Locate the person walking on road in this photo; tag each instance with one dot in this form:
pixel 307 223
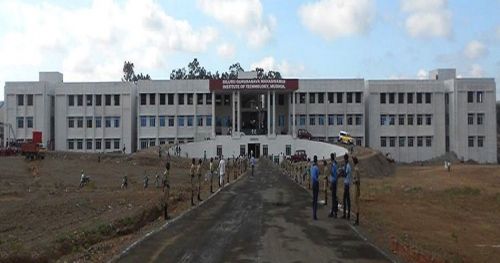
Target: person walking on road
pixel 198 172
pixel 192 172
pixel 325 180
pixel 347 186
pixel 252 163
pixel 333 187
pixel 315 185
pixel 357 190
pixel 222 171
pixel 212 169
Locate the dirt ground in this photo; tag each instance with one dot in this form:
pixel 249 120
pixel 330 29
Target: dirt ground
pixel 45 216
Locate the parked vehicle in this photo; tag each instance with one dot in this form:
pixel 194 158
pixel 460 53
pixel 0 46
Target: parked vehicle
pixel 299 156
pixel 34 149
pixel 345 138
pixel 304 134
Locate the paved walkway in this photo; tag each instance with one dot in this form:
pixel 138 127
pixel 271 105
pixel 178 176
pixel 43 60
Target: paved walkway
pixel 265 218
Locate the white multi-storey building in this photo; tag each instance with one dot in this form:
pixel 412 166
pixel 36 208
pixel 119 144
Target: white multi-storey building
pixel 412 120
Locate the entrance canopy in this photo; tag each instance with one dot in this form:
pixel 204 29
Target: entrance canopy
pixel 254 84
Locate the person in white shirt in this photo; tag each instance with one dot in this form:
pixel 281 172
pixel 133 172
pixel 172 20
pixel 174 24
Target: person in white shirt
pixel 222 171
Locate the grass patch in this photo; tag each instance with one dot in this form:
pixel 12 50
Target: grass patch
pixel 463 191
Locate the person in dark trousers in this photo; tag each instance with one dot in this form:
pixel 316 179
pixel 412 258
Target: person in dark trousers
pixel 315 185
pixel 325 174
pixel 347 186
pixel 252 163
pixel 212 170
pixel 192 171
pixel 357 191
pixel 333 187
pixel 166 190
pixel 198 172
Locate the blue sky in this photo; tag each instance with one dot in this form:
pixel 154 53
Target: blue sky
pixel 372 39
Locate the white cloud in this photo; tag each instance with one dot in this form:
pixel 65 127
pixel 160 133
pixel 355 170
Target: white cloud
pixel 338 18
pixel 476 71
pixel 92 42
pixel 286 69
pixel 226 50
pixel 423 74
pixel 245 17
pixel 475 49
pixel 427 18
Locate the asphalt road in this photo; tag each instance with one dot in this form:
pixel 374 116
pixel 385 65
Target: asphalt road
pixel 265 218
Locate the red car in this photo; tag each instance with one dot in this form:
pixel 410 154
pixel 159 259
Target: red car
pixel 304 134
pixel 299 156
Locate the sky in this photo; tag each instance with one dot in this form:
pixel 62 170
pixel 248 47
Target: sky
pixel 372 39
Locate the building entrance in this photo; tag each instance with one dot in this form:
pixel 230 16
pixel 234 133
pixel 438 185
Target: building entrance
pixel 255 148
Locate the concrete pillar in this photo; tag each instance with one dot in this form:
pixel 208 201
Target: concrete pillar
pixel 274 113
pixel 268 112
pixel 213 115
pixel 234 108
pixel 293 115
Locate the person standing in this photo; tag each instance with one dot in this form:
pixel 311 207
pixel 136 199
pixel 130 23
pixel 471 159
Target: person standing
pixel 357 190
pixel 308 170
pixel 124 182
pixel 325 179
pixel 333 187
pixel 192 171
pixel 166 190
pixel 315 185
pixel 212 169
pixel 198 172
pixel 82 179
pixel 252 163
pixel 146 180
pixel 222 171
pixel 347 186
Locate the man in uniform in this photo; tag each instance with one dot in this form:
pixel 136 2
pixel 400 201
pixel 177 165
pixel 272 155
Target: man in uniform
pixel 315 185
pixel 347 186
pixel 192 172
pixel 166 190
pixel 357 190
pixel 198 172
pixel 212 169
pixel 333 186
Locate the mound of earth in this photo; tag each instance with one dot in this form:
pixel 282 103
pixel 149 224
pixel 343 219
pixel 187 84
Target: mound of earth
pixel 373 163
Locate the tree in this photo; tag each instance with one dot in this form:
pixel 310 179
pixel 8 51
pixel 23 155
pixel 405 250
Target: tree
pixel 129 74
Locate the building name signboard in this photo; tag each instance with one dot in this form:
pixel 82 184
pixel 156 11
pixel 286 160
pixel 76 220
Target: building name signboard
pixel 254 84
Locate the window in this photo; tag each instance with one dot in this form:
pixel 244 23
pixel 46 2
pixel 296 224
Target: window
pixel 339 97
pixel 349 97
pixel 428 119
pixel 107 144
pixel 312 119
pixel 302 98
pixel 382 98
pixel 98 101
pixel 471 141
pixel 71 122
pixel 170 99
pixel 392 97
pixel 89 122
pixel 117 100
pixel 79 144
pixel 392 119
pixel 227 99
pixel 401 119
pixel 383 141
pixel 302 120
pixel 359 119
pixel 180 99
pixel 79 122
pixel 321 97
pixel 71 100
pixel 209 120
pixel 401 98
pixel 330 97
pixel 20 100
pixel 410 119
pixel 116 143
pixel 420 119
pixel 392 141
pixel 470 97
pixel 420 141
pixel 107 122
pixel 281 120
pixel 479 98
pixel 162 121
pixel 428 141
pixel 218 99
pixel 29 122
pixel 98 122
pixel 402 141
pixel 190 120
pixel 29 99
pixel 419 98
pixel 288 150
pixel 208 98
pixel 410 141
pixel 349 119
pixel 470 118
pixel 409 98
pixel 79 100
pixel 190 99
pixel 199 121
pixel 340 119
pixel 428 97
pixel 107 100
pixel 162 98
pixel 89 100
pixel 171 121
pixel 180 121
pixel 358 98
pixel 98 143
pixel 480 141
pixel 331 119
pixel 383 120
pixel 88 144
pixel 480 118
pixel 199 99
pixel 71 144
pixel 321 120
pixel 117 122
